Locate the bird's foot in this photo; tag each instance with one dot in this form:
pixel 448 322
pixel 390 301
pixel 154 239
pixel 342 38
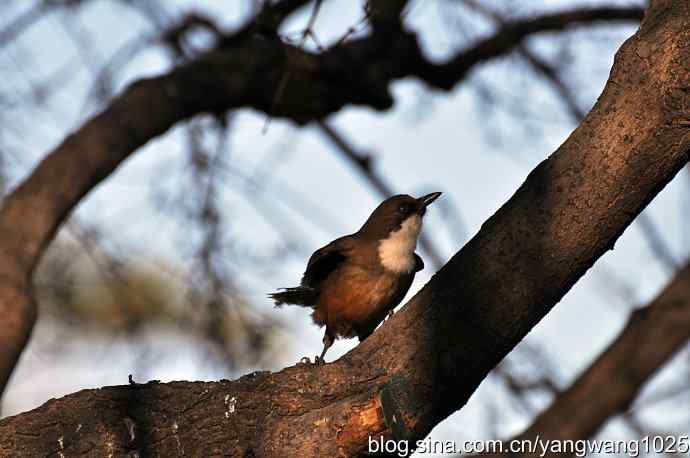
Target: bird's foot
pixel 390 314
pixel 306 361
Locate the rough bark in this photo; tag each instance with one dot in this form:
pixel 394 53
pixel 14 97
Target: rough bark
pixel 424 363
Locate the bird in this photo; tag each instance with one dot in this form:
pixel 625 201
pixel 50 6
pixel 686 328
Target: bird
pixel 354 282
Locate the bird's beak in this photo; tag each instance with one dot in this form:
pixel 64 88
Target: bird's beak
pixel 424 201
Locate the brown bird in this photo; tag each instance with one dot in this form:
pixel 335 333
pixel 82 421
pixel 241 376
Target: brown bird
pixel 356 280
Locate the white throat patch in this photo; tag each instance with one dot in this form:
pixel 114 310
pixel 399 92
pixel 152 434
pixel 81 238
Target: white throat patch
pixel 397 251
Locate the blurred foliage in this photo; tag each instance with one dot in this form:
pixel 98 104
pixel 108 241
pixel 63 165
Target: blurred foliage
pixel 98 291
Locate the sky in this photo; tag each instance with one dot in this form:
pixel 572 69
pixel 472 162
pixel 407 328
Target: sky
pixel 476 154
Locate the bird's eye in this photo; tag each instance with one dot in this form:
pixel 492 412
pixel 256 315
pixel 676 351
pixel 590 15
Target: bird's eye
pixel 405 209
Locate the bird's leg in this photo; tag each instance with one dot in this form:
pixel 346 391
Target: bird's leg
pixel 327 342
pixel 390 314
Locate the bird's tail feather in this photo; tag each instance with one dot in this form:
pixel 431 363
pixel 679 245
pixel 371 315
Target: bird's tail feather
pixel 300 295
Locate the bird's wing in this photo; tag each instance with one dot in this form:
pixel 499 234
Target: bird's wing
pixel 325 260
pixel 418 263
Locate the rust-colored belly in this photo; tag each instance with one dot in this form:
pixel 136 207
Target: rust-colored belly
pixel 353 300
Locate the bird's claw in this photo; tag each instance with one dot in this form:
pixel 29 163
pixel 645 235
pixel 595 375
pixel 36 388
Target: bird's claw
pixel 390 314
pixel 318 361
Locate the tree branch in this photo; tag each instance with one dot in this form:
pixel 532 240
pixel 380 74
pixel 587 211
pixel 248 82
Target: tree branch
pixel 541 66
pixel 425 362
pixel 652 336
pixel 510 35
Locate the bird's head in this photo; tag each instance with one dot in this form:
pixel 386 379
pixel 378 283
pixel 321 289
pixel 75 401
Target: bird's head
pixel 395 225
pixel 396 211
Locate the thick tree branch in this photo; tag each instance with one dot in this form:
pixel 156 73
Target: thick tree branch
pixel 426 361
